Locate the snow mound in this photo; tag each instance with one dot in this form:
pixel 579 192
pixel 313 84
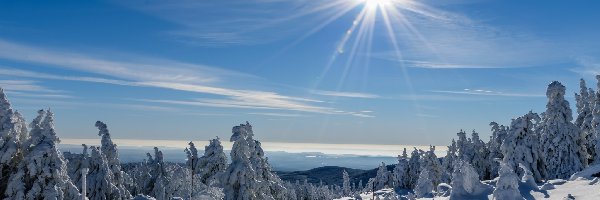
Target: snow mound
pixel 586 173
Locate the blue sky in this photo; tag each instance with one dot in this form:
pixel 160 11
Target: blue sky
pixel 409 72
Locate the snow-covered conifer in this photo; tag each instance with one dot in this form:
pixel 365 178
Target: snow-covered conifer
pixel 521 145
pixel 424 187
pixel 479 156
pixel 384 178
pixel 400 173
pixel 99 178
pixel 466 184
pixel 13 133
pixel 43 172
pixel 414 168
pixel 346 190
pixel 585 118
pixel 507 186
pixel 110 151
pixel 249 175
pixel 213 162
pixel 561 142
pixel 431 163
pixel 448 163
pixel 499 132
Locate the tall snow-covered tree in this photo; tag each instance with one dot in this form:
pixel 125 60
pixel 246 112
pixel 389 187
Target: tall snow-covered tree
pixel 431 163
pixel 159 179
pixel 464 147
pixel 100 184
pixel 43 172
pixel 110 151
pixel 507 186
pixel 448 162
pixel 249 175
pixel 594 99
pixel 400 173
pixel 384 178
pixel 495 155
pixel 414 168
pixel 13 133
pixel 521 146
pixel 478 156
pixel 213 162
pixel 346 190
pixel 561 142
pixel 585 118
pixel 425 185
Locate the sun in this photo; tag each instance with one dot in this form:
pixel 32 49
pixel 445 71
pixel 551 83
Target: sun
pixel 374 4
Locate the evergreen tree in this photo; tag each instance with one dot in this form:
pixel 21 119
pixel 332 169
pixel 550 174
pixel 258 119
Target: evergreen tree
pixel 448 163
pixel 521 145
pixel 424 187
pixel 562 145
pixel 346 190
pixel 507 186
pixel 213 162
pixel 13 133
pixel 584 119
pixel 479 156
pixel 431 163
pixel 249 175
pixel 384 178
pixel 414 168
pixel 400 173
pixel 43 172
pixel 495 155
pixel 110 151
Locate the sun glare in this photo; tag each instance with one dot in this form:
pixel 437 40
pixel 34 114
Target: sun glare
pixel 374 4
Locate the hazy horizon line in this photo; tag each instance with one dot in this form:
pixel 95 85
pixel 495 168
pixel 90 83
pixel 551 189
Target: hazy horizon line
pixel 289 147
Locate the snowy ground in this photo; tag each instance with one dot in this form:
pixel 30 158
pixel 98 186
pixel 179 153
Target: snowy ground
pixel 580 189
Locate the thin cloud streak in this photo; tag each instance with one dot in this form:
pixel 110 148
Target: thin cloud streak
pixel 345 94
pixel 487 93
pixel 172 77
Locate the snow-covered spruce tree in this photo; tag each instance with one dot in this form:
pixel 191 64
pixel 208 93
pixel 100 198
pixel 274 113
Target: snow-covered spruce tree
pixel 384 178
pixel 13 133
pixel 99 179
pixel 466 184
pixel 76 163
pixel 249 175
pixel 431 163
pixel 110 151
pixel 521 146
pixel 43 172
pixel 346 190
pixel 448 163
pixel 507 186
pixel 495 155
pixel 213 162
pixel 594 100
pixel 425 185
pixel 479 156
pixel 159 180
pixel 400 173
pixel 561 142
pixel 585 117
pixel 464 147
pixel 414 168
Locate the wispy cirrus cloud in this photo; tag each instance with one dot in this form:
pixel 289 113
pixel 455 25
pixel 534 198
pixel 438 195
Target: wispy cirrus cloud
pixel 483 92
pixel 345 94
pixel 163 74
